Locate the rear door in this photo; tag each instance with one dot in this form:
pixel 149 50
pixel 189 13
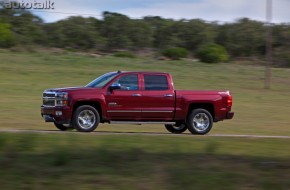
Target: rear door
pixel 158 98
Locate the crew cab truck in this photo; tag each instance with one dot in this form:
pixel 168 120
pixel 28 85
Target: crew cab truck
pixel 135 98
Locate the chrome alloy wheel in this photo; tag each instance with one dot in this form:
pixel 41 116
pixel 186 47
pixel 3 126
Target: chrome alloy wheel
pixel 179 127
pixel 86 119
pixel 201 122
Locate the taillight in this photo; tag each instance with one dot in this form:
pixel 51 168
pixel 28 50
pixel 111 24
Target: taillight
pixel 230 101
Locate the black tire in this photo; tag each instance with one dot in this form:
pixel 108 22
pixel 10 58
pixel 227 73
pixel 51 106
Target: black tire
pixel 177 128
pixel 199 121
pixel 62 127
pixel 86 119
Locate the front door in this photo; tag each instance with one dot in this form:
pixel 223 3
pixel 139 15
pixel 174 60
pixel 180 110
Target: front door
pixel 124 103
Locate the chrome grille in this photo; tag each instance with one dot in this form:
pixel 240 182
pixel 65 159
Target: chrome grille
pixel 48 95
pixel 48 102
pixel 48 98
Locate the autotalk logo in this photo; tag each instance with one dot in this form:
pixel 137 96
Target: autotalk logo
pixel 47 4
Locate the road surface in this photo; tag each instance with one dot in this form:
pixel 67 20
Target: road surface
pixel 139 133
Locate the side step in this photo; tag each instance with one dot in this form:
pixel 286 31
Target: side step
pixel 142 122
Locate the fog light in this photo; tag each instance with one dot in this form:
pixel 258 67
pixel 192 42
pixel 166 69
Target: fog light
pixel 58 113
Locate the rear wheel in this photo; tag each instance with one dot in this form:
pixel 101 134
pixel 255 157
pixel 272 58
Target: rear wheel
pixel 199 122
pixel 178 128
pixel 86 119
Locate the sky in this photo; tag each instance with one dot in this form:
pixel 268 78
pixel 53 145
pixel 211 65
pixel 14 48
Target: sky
pixel 209 10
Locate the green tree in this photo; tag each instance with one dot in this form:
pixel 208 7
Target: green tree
pixel 194 33
pixel 281 35
pixel 212 53
pixel 281 44
pixel 163 36
pixel 54 35
pixel 189 34
pixel 74 32
pixel 26 27
pixel 6 35
pixel 175 53
pixel 243 38
pixel 140 34
pixel 79 32
pixel 116 29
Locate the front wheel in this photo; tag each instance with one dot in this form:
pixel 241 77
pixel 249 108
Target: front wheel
pixel 86 119
pixel 62 127
pixel 199 122
pixel 177 128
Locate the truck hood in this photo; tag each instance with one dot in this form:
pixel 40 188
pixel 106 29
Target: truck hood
pixel 72 89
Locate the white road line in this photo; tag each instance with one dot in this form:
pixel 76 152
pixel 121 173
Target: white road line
pixel 251 136
pixel 140 133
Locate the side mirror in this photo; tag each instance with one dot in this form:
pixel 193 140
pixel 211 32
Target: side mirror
pixel 114 87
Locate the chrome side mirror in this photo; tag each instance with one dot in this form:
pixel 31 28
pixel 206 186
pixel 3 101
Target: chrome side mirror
pixel 115 87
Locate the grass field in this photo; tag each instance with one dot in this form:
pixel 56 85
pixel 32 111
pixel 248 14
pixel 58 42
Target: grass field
pixel 88 161
pixel 74 161
pixel 24 76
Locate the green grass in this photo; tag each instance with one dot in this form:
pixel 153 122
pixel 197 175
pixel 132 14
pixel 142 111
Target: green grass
pixel 89 161
pixel 70 160
pixel 24 76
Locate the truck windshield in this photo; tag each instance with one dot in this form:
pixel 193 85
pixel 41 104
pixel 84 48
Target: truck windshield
pixel 102 80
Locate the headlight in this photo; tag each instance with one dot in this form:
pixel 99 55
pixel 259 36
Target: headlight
pixel 61 95
pixel 61 98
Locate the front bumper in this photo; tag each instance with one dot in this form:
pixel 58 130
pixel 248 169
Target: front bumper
pixel 61 115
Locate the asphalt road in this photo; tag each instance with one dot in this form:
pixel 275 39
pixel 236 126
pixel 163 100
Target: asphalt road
pixel 139 133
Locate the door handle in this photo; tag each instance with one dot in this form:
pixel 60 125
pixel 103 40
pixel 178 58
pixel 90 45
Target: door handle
pixel 168 95
pixel 136 95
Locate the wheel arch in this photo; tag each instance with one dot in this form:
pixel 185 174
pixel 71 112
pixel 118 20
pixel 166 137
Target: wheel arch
pixel 207 106
pixel 94 104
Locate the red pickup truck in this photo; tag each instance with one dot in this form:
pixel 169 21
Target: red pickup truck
pixel 135 98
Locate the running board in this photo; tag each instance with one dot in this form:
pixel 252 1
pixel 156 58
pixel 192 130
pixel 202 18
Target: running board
pixel 141 122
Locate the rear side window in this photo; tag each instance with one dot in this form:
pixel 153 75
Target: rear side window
pixel 155 82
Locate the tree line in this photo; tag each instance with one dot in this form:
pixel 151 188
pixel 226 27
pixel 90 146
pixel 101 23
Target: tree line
pixel 243 38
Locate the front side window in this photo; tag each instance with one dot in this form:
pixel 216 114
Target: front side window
pixel 156 82
pixel 128 82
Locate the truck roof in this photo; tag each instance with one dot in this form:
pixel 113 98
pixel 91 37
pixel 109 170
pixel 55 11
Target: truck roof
pixel 143 72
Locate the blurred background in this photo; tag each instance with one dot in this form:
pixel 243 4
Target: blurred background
pixel 241 46
pixel 237 30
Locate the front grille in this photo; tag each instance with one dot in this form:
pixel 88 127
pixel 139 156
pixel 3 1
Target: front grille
pixel 48 98
pixel 48 95
pixel 48 102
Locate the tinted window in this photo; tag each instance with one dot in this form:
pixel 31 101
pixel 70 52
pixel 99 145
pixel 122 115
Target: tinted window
pixel 128 82
pixel 155 82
